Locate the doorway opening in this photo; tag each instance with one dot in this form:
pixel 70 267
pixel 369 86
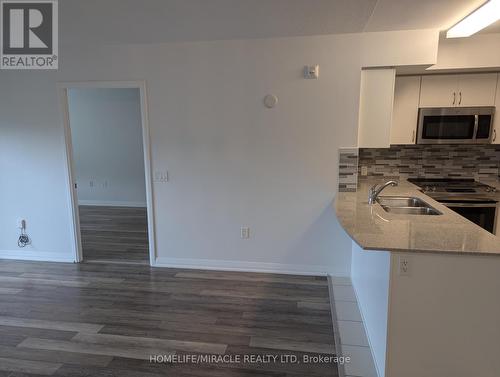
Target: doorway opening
pixel 109 169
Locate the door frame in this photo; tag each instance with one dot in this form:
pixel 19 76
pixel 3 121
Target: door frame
pixel 71 176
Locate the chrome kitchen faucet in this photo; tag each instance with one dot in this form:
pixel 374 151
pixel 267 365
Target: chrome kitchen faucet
pixel 376 190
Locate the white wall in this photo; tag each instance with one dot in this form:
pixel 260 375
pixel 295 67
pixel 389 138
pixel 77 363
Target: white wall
pixel 370 274
pixel 32 170
pixel 108 155
pixel 232 162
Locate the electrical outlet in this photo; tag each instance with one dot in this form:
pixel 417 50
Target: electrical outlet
pixel 364 171
pixel 404 266
pixel 91 183
pixel 245 233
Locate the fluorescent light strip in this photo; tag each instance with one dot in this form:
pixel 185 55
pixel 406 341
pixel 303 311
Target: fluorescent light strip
pixel 477 20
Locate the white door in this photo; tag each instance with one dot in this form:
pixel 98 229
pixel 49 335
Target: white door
pixel 439 91
pixel 405 114
pixel 477 89
pixel 496 124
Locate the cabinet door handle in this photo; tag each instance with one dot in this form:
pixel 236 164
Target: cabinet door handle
pixel 454 97
pixel 460 100
pixel 494 135
pixel 413 136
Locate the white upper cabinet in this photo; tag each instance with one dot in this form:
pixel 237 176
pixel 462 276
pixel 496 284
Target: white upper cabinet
pixel 376 107
pixel 405 115
pixel 477 89
pixel 458 90
pixel 496 130
pixel 439 91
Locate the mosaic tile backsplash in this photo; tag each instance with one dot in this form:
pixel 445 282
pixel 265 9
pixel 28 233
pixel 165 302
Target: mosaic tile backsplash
pixel 432 161
pixel 348 169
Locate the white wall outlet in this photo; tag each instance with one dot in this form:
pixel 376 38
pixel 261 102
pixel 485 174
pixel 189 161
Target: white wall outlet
pixel 404 266
pixel 364 171
pixel 245 233
pixel 160 176
pixel 105 184
pixel 91 183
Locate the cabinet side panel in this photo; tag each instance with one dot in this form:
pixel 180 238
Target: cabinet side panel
pixel 444 317
pixel 376 105
pixel 405 117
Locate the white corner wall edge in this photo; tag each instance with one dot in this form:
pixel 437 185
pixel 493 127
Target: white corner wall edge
pixel 370 276
pixel 241 266
pixel 34 255
pixel 370 343
pixel 104 203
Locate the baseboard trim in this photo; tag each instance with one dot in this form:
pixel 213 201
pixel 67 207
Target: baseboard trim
pixel 241 266
pixel 103 203
pixel 33 255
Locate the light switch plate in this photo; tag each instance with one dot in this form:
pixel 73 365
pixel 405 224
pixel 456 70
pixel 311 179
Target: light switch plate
pixel 160 176
pixel 311 72
pixel 245 232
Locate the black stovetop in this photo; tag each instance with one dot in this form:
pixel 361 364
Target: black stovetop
pixel 451 185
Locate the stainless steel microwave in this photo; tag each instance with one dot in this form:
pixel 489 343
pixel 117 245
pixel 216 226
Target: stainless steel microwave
pixel 455 125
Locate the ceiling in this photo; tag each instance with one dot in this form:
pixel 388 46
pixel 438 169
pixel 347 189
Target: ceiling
pixel 419 14
pixel 493 28
pixel 156 21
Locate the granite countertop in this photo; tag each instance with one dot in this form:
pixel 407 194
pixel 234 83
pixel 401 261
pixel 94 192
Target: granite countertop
pixel 372 228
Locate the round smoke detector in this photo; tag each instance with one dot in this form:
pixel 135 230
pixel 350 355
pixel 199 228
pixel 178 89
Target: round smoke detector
pixel 270 101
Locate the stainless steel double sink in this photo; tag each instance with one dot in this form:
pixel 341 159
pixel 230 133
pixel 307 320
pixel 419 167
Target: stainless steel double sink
pixel 403 205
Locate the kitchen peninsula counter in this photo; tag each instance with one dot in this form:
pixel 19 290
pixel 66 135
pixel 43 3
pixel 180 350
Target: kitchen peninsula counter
pixel 372 228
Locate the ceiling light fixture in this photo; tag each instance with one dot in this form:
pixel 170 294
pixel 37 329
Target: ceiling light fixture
pixel 482 17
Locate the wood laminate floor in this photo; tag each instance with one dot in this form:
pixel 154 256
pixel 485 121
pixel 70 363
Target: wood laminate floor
pixel 95 319
pixel 115 234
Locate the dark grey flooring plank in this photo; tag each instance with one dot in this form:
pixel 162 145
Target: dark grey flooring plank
pixel 74 371
pixel 201 370
pixel 152 343
pixel 114 233
pixel 255 277
pixel 62 357
pixel 287 344
pixel 26 282
pixel 99 319
pixel 182 333
pixel 50 325
pixel 10 291
pixel 28 366
pixel 85 279
pixel 11 336
pixel 127 351
pixel 283 365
